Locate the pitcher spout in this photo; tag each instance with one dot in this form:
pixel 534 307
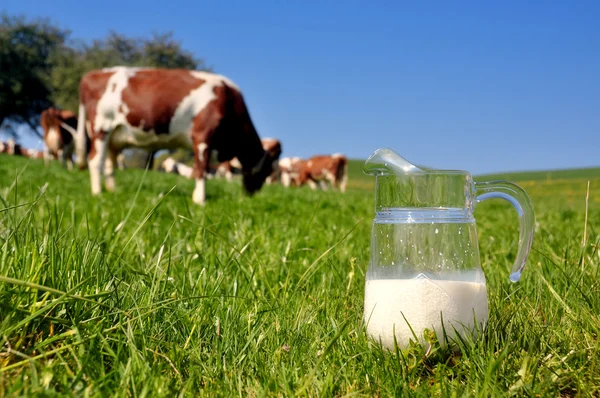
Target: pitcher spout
pixel 385 161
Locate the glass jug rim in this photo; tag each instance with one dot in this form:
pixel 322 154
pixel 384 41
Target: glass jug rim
pixel 381 173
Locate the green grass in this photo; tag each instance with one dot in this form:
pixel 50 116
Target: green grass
pixel 141 293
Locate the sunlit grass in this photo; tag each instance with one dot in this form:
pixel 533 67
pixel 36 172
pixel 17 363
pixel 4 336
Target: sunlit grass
pixel 139 292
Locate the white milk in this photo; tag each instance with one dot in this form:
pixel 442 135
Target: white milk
pixel 421 300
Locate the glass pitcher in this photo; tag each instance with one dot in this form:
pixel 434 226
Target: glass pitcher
pixel 424 270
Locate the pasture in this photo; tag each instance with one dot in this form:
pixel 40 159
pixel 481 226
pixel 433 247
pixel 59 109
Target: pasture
pixel 141 293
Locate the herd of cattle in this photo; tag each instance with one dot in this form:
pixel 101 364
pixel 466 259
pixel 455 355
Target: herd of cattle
pixel 154 109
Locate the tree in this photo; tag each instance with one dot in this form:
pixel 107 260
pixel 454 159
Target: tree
pixel 161 50
pixel 26 48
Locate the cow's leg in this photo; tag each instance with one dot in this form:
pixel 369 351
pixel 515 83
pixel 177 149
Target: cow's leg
pixel 120 160
pixel 285 179
pixel 109 169
pixel 46 156
pixel 225 170
pixel 61 156
pixel 68 154
pixel 96 160
pixel 343 179
pixel 343 184
pixel 276 174
pixel 150 160
pixel 324 185
pixel 201 162
pixel 312 184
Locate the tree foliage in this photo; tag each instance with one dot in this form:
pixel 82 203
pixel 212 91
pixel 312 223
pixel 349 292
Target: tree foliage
pixel 160 50
pixel 41 65
pixel 26 49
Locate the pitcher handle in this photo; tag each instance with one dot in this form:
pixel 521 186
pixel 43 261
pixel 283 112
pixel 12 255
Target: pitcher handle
pixel 520 200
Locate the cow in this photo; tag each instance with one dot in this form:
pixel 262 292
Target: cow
pixel 231 167
pixel 11 147
pixel 170 165
pixel 60 128
pixel 155 108
pixel 225 169
pixel 323 170
pixel 273 146
pixel 290 169
pixel 32 153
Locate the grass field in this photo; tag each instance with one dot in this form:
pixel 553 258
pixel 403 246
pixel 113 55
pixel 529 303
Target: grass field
pixel 141 293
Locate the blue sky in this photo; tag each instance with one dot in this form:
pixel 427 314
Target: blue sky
pixel 474 85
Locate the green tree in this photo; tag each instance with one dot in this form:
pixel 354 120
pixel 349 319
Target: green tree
pixel 161 50
pixel 26 51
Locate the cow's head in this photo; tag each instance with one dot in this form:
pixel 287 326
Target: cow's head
pixel 273 147
pixel 255 177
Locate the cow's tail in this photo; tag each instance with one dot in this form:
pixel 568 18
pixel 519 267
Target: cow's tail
pixel 342 171
pixel 81 139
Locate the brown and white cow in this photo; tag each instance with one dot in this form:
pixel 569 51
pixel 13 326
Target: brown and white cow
pixel 154 109
pixel 32 153
pixel 228 168
pixel 290 169
pixel 60 128
pixel 171 165
pixel 225 169
pixel 12 148
pixel 273 146
pixel 323 170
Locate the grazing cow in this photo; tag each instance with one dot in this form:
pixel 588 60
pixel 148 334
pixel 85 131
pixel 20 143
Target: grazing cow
pixel 170 165
pixel 290 169
pixel 228 168
pixel 155 109
pixel 10 147
pixel 225 169
pixel 33 153
pixel 323 170
pixel 60 128
pixel 273 146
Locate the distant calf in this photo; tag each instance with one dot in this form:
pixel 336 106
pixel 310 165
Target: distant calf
pixel 273 147
pixel 12 148
pixel 290 169
pixel 170 165
pixel 325 170
pixel 60 128
pixel 232 167
pixel 32 153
